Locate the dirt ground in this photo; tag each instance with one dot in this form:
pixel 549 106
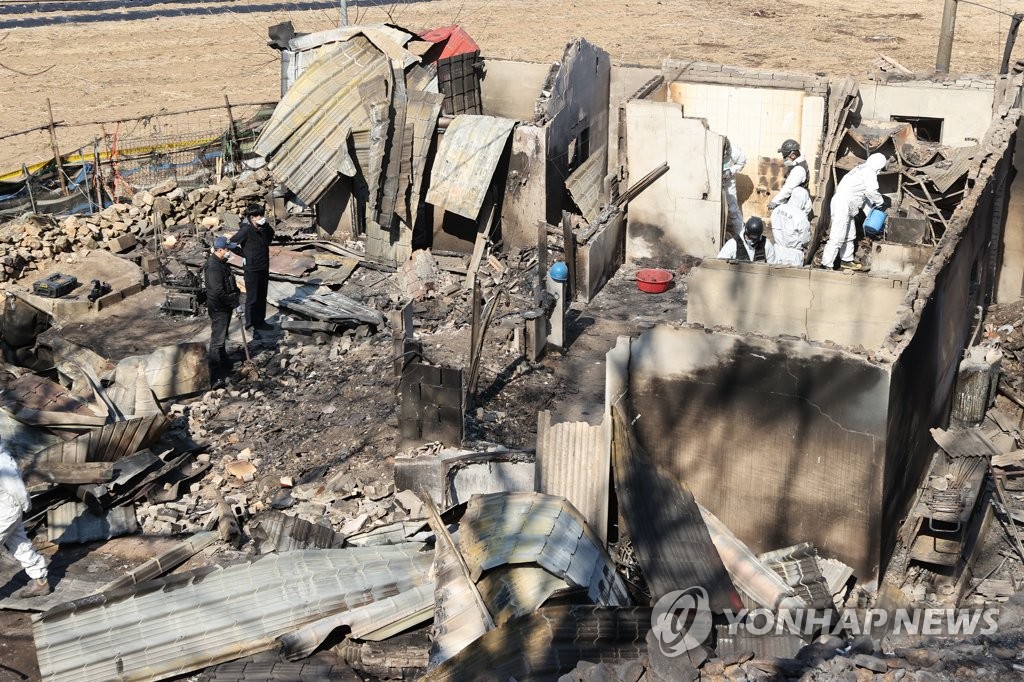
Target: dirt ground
pixel 106 70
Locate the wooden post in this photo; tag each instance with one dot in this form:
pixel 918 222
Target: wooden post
pixel 569 246
pixel 28 186
pixel 946 28
pixel 233 135
pixel 97 176
pixel 56 151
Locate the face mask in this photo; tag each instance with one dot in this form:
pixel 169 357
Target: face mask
pixel 789 163
pixel 261 221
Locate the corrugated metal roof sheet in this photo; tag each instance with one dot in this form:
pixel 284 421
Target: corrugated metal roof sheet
pixel 964 442
pixel 585 183
pixel 549 643
pixel 574 461
pixel 72 522
pixel 513 591
pixel 460 616
pixel 312 121
pixel 533 528
pixel 466 159
pixel 169 627
pixel 108 443
pixel 453 41
pixel 671 540
pixel 331 307
pixel 275 531
pixel 424 108
pixel 268 667
pixel 403 610
pixel 798 567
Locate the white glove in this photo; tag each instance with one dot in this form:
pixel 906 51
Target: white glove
pixel 772 206
pixel 727 173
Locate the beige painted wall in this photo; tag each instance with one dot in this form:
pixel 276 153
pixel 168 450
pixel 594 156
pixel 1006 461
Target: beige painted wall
pixel 1010 286
pixel 966 113
pixel 681 213
pixel 848 309
pixel 758 120
pixel 510 88
pixel 625 80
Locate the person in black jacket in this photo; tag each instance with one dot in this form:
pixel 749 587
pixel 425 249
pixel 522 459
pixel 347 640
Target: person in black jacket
pixel 222 296
pixel 254 237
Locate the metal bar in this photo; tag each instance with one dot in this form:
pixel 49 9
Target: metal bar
pixel 28 186
pixel 232 135
pixel 97 176
pixel 56 150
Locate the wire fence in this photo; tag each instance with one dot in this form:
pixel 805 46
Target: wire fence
pixel 98 163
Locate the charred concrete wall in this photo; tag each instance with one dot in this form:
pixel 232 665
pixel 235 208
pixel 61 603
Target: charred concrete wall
pixel 510 88
pixel 625 80
pixel 802 302
pixel 757 119
pixel 681 213
pixel 784 441
pixel 576 113
pixel 935 324
pixel 963 105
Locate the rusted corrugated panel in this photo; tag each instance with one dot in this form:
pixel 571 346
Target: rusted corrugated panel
pixel 466 158
pixel 549 643
pixel 170 627
pixel 574 461
pixel 671 540
pixel 311 123
pixel 585 183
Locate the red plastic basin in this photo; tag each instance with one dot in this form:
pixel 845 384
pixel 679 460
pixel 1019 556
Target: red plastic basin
pixel 653 280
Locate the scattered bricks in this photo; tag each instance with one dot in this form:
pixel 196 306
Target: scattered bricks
pixel 203 458
pixel 122 243
pixel 164 187
pixel 287 481
pixel 871 663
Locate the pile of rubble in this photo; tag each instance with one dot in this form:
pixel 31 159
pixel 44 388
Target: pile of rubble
pixel 27 243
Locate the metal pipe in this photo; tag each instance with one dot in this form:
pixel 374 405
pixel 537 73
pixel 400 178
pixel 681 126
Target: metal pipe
pixel 946 37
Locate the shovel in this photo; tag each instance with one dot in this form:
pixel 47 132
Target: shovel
pixel 249 369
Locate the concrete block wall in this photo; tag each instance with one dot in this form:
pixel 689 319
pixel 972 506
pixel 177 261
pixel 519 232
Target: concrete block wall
pixel 707 72
pixel 432 405
pixel 783 440
pixel 848 309
pixel 965 110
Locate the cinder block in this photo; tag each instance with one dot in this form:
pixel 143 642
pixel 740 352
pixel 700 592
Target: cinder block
pixel 110 299
pixel 122 243
pixel 131 289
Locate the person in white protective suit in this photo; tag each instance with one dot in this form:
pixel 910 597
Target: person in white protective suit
pixel 792 229
pixel 856 191
pixel 733 161
pixel 797 173
pixel 14 501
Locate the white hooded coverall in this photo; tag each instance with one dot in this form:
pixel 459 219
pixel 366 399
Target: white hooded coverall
pixel 14 501
pixel 796 177
pixel 790 225
pixel 733 164
pixel 857 190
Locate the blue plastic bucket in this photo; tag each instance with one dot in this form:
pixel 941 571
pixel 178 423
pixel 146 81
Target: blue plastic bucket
pixel 874 223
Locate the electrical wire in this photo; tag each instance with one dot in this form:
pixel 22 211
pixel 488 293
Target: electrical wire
pixel 991 9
